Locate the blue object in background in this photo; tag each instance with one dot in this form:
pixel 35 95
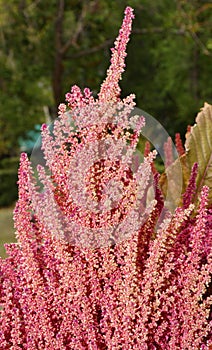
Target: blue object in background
pixel 27 144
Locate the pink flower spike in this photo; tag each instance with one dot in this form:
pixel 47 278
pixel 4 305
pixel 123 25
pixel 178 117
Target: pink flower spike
pixel 100 263
pixel 110 90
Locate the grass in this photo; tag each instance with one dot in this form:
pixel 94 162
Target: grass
pixel 6 228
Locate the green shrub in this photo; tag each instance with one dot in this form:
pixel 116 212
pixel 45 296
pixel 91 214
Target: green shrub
pixel 9 163
pixel 8 181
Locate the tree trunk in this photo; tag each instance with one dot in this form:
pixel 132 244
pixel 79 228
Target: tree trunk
pixel 57 75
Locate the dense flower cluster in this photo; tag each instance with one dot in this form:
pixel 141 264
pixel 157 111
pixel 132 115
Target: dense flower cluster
pixel 96 265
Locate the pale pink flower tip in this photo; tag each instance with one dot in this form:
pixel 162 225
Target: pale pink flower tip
pixel 23 156
pixel 62 108
pixel 129 11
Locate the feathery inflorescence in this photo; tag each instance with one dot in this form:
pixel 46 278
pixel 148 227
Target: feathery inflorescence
pixel 93 269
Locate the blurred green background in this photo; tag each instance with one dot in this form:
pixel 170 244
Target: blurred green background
pixel 47 46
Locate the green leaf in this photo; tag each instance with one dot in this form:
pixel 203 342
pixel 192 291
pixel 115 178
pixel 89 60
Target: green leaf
pixel 199 149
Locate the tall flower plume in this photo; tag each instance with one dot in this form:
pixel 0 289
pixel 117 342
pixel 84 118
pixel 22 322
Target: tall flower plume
pixel 92 269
